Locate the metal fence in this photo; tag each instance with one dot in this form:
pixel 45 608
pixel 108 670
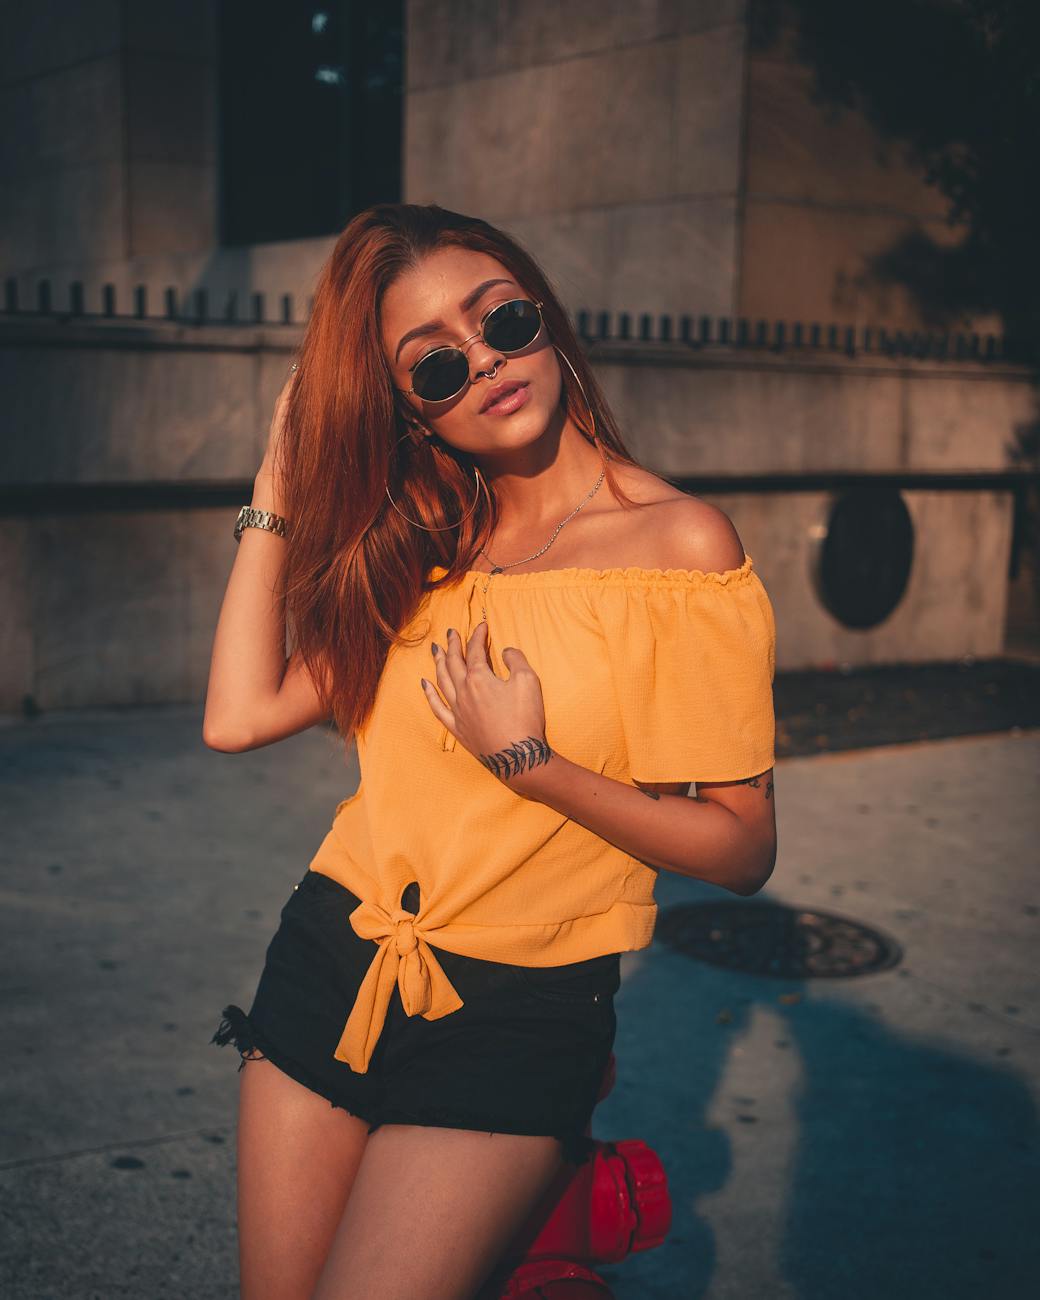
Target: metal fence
pixel 201 307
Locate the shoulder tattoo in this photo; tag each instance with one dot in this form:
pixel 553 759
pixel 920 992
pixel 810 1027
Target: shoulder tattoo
pixel 755 782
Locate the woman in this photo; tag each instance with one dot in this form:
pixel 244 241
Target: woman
pixel 537 645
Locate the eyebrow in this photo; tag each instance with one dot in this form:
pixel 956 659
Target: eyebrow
pixel 432 326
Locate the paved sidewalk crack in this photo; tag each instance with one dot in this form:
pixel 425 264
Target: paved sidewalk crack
pixel 28 1161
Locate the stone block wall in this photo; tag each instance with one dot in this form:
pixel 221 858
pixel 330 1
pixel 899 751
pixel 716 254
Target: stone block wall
pixel 648 153
pixel 107 133
pixel 114 601
pixel 606 137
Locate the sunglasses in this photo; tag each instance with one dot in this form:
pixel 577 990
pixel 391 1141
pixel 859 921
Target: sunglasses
pixel 444 372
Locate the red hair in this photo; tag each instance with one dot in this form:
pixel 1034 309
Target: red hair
pixel 355 570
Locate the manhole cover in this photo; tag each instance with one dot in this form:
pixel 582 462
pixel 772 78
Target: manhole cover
pixel 769 939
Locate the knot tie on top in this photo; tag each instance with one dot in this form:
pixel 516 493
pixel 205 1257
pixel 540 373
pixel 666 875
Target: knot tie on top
pixel 402 957
pixel 404 933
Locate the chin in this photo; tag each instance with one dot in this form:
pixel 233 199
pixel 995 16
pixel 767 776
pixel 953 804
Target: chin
pixel 523 430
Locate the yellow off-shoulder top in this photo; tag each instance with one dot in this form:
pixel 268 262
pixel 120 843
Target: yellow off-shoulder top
pixel 647 675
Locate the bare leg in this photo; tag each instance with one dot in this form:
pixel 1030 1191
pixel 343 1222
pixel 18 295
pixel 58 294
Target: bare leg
pixel 432 1210
pixel 297 1158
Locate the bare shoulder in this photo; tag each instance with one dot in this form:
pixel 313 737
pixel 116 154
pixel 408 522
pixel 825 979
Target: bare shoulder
pixel 686 531
pixel 701 536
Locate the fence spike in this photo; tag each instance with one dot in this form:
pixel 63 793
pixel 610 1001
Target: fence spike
pixel 692 330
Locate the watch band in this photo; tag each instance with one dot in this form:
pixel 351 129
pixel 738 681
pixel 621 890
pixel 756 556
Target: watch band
pixel 248 517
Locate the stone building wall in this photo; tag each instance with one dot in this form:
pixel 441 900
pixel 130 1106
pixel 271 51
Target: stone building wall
pixel 132 445
pixel 648 153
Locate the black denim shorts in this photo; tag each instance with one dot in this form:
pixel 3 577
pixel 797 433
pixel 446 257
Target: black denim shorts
pixel 526 1053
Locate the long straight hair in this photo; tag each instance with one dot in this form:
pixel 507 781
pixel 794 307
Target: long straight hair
pixel 355 571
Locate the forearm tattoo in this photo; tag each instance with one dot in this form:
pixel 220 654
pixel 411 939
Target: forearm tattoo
pixel 517 757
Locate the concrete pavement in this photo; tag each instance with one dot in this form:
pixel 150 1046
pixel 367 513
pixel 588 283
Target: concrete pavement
pixel 843 1138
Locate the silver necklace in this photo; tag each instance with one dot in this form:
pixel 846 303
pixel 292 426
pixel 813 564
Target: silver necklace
pixel 500 568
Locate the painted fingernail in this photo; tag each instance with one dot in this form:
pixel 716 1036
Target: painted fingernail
pixel 434 648
pixel 425 683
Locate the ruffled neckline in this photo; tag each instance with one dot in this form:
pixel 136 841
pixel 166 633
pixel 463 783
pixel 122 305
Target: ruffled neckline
pixel 623 575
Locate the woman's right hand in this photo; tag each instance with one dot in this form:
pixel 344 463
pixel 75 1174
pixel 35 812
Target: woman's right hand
pixel 277 428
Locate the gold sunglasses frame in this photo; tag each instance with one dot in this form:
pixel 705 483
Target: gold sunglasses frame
pixel 462 348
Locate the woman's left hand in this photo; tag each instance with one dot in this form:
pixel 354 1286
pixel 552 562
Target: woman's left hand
pixel 501 721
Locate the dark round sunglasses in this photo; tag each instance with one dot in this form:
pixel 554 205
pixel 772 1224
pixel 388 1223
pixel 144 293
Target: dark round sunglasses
pixel 444 372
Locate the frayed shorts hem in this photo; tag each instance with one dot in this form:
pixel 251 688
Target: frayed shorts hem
pixel 252 1044
pixel 238 1028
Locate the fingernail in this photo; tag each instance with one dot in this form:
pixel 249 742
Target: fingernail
pixel 434 648
pixel 424 682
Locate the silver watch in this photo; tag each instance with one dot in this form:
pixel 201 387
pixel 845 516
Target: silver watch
pixel 265 519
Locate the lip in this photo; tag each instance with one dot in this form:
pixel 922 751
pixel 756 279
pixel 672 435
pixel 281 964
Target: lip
pixel 508 396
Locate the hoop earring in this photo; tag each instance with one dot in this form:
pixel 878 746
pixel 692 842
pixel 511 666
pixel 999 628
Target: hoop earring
pixel 592 419
pixel 442 527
